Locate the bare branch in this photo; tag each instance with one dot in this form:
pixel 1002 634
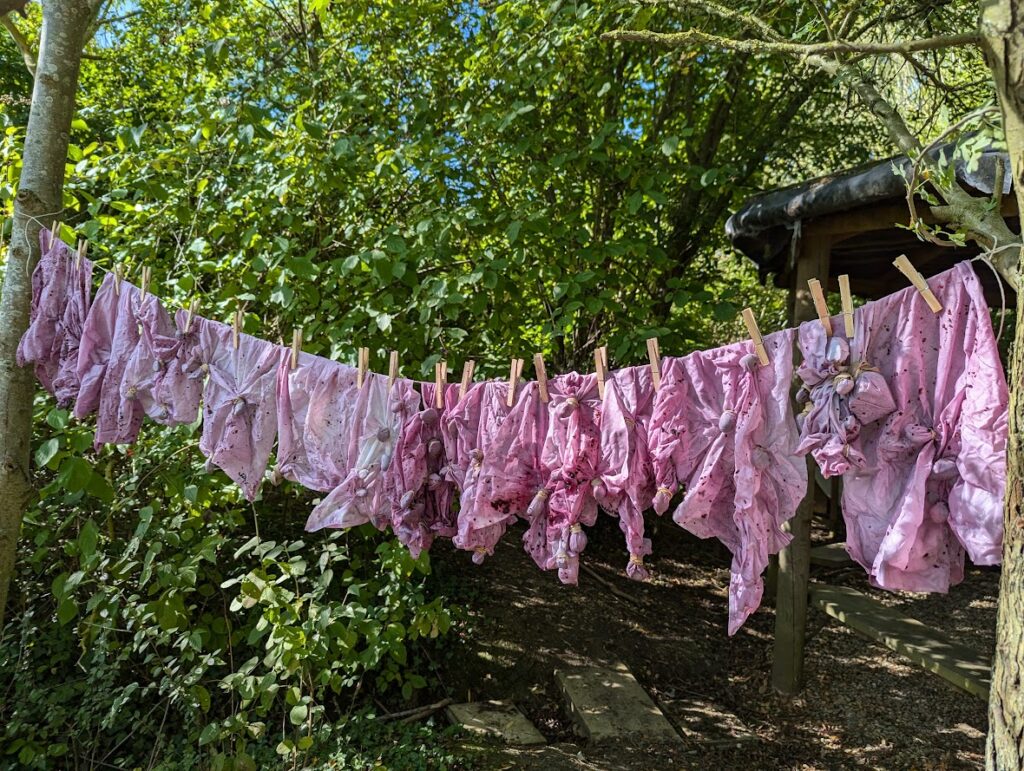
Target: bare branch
pixel 693 37
pixel 6 6
pixel 27 54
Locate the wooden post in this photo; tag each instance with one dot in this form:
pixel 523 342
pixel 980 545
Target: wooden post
pixel 795 560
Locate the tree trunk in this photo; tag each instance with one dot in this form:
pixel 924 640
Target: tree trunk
pixel 1004 47
pixel 65 30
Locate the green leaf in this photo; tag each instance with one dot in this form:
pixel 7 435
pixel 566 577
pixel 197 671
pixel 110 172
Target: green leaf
pixel 46 451
pixel 74 474
pixel 513 232
pixel 209 734
pixel 66 611
pixel 87 538
pixel 670 145
pixel 298 714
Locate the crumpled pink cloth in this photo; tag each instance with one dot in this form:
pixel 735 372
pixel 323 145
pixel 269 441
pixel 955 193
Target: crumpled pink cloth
pixel 95 346
pixel 479 525
pixel 421 496
pixel 625 486
pixel 140 388
pixel 735 453
pixel 361 496
pixel 935 469
pixel 572 449
pixel 316 421
pixel 239 408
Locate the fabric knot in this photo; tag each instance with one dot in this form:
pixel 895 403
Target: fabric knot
pixel 630 422
pixel 132 392
pixel 383 434
pixel 843 383
pixel 577 528
pixel 572 401
pixel 727 421
pixel 664 491
pixel 636 559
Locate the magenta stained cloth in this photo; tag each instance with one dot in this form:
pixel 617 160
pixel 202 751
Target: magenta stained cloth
pixel 239 408
pixel 361 496
pixel 421 497
pixel 477 521
pixel 572 449
pixel 626 485
pixel 742 476
pixel 141 392
pixel 95 346
pixel 934 474
pixel 316 421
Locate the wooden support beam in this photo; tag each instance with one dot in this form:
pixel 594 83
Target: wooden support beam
pixel 795 560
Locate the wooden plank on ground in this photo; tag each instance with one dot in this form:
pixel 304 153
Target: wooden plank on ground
pixel 830 555
pixel 930 648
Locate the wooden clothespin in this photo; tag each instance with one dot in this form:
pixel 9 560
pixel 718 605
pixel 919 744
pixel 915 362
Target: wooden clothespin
pixel 54 233
pixel 820 305
pixel 440 380
pixel 847 302
pixel 296 346
pixel 392 369
pixel 755 335
pixel 118 275
pixel 236 329
pixel 193 306
pixel 467 378
pixel 147 275
pixel 542 376
pixel 654 355
pixel 513 380
pixel 362 366
pixel 907 268
pixel 83 248
pixel 600 364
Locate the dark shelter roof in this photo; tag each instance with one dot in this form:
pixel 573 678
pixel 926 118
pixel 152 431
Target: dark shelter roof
pixel 862 207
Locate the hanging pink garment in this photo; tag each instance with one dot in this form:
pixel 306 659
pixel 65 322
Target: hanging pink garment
pixel 175 394
pixel 317 421
pixel 532 423
pixel 421 496
pixel 361 495
pixel 745 478
pixel 934 473
pixel 570 460
pixel 140 388
pixel 239 405
pixel 42 341
pixel 669 434
pixel 459 427
pixel 94 347
pixel 478 523
pixel 118 422
pixel 626 486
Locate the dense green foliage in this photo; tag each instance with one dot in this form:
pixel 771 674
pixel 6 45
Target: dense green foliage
pixel 461 180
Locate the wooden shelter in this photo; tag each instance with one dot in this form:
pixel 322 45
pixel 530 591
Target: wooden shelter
pixel 854 223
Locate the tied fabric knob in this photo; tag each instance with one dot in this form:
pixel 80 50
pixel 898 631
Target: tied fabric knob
pixel 727 422
pixel 566 408
pixel 843 383
pixel 398 407
pixel 577 540
pixel 837 351
pixel 938 512
pixel 478 555
pixel 429 417
pixel 562 559
pixel 383 434
pixel 434 482
pixel 635 569
pixel 761 458
pixel 600 489
pixel 537 504
pixel 239 406
pixel 750 362
pixel 803 395
pixel 944 469
pixel 662 499
pixel 407 499
pixel 477 457
pixel 434 448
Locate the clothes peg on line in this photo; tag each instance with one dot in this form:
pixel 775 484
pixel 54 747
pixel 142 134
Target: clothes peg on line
pixel 83 248
pixel 542 376
pixel 906 267
pixel 847 302
pixel 193 306
pixel 392 369
pixel 600 363
pixel 654 356
pixel 755 335
pixel 296 347
pixel 54 232
pixel 236 329
pixel 820 305
pixel 147 274
pixel 363 364
pixel 467 378
pixel 440 380
pixel 118 275
pixel 513 380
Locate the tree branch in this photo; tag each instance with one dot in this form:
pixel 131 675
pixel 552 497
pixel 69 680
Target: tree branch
pixel 6 6
pixel 27 54
pixel 693 37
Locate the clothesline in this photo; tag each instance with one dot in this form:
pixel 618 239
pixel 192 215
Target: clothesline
pixel 910 410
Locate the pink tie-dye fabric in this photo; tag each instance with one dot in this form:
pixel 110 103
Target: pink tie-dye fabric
pixel 932 482
pixel 41 344
pixel 94 348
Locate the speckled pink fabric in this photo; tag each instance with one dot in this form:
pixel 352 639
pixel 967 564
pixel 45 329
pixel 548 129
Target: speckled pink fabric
pixel 570 461
pixel 141 391
pixel 626 483
pixel 361 496
pixel 94 348
pixel 317 421
pixel 932 482
pixel 736 456
pixel 117 421
pixel 41 343
pixel 239 405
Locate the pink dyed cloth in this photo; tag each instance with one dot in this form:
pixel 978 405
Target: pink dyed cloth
pixel 626 482
pixel 361 496
pixel 934 474
pixel 742 475
pixel 117 421
pixel 141 391
pixel 95 347
pixel 421 496
pixel 42 341
pixel 239 405
pixel 316 421
pixel 479 526
pixel 570 461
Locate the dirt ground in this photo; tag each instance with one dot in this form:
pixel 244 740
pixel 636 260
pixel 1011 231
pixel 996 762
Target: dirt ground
pixel 862 707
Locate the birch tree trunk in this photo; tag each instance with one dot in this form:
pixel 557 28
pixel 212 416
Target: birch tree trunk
pixel 65 30
pixel 1001 23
